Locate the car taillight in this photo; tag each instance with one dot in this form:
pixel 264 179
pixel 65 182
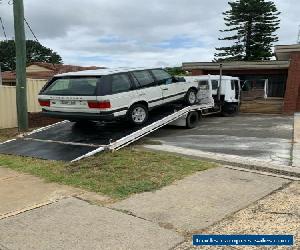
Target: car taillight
pixel 44 103
pixel 99 105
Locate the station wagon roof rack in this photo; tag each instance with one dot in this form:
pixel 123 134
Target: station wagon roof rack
pixel 102 72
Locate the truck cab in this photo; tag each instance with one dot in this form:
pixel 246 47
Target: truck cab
pixel 226 95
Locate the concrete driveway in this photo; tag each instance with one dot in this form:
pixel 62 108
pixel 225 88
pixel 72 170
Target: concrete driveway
pixel 261 137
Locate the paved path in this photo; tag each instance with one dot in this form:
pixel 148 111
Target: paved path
pixel 20 192
pixel 38 215
pixel 75 224
pixel 201 199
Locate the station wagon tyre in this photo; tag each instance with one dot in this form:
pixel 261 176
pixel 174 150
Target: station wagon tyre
pixel 192 119
pixel 138 114
pixel 191 97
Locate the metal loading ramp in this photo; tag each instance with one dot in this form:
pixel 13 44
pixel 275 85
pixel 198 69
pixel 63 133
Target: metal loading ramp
pixel 68 141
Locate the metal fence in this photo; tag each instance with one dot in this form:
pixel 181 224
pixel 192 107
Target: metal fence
pixel 8 107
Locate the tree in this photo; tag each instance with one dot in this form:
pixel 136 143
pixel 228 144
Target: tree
pixel 251 25
pixel 35 52
pixel 176 71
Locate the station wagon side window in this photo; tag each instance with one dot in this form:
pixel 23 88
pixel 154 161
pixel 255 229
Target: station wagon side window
pixel 161 76
pixel 120 83
pixel 214 84
pixel 144 78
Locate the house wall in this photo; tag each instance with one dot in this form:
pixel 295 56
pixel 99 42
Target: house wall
pixel 8 109
pixel 241 72
pixel 277 78
pixel 292 94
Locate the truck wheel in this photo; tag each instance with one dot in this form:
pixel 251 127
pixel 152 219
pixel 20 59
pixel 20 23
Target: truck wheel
pixel 192 119
pixel 230 110
pixel 191 97
pixel 138 114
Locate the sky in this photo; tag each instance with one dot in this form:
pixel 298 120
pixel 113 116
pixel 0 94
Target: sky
pixel 118 33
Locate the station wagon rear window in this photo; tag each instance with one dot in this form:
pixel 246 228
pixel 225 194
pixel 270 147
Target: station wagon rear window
pixel 86 86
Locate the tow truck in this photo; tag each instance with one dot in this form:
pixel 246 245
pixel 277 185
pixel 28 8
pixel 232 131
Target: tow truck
pixel 68 141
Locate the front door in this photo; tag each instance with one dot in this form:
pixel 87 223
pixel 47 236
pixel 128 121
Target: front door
pixel 147 89
pixel 171 90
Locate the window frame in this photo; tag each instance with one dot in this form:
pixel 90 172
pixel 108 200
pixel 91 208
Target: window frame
pixel 206 84
pixel 51 81
pixel 139 86
pixel 212 87
pixel 159 82
pixel 132 87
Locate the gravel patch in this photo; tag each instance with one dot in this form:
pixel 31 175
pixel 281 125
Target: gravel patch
pixel 278 213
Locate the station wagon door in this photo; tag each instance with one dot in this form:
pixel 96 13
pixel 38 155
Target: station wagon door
pixel 122 93
pixel 147 89
pixel 171 90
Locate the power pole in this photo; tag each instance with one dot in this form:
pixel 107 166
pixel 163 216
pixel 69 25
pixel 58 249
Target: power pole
pixel 298 40
pixel 21 93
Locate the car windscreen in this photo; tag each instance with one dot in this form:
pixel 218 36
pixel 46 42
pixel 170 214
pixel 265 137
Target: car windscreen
pixel 79 86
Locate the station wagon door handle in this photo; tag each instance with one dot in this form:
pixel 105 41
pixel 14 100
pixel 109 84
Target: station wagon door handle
pixel 142 94
pixel 165 89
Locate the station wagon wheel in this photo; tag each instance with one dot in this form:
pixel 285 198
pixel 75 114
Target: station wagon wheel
pixel 191 97
pixel 138 114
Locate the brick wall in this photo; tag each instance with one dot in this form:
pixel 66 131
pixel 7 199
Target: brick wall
pixel 37 120
pixel 292 93
pixel 248 72
pixel 197 72
pixel 252 94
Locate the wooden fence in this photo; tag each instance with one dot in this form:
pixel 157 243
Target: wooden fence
pixel 8 107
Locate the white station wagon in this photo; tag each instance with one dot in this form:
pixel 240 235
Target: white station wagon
pixel 110 94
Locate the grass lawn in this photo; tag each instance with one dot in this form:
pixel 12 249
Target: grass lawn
pixel 116 174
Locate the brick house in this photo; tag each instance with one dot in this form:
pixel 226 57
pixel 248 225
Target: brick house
pixel 283 74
